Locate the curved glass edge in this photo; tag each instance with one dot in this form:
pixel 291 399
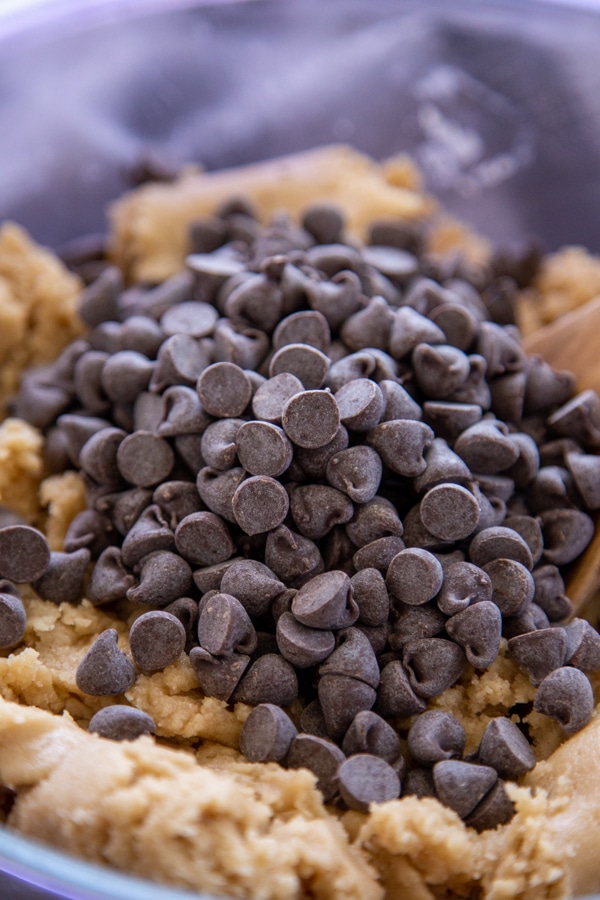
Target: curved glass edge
pixel 64 876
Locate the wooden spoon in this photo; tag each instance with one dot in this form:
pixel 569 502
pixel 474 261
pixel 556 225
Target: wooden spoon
pixel 573 342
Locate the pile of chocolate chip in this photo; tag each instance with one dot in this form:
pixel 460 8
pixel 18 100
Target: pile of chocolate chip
pixel 330 474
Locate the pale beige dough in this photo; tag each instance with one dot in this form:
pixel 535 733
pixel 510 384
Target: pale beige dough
pixel 195 814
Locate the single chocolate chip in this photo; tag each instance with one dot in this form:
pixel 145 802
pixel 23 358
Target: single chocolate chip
pixel 585 470
pixel 142 334
pixel 324 222
pixel 398 403
pixel 463 585
pixel 305 327
pixel 369 327
pixel 156 639
pixel 254 584
pixel 410 328
pixel 189 317
pixel 13 619
pixel 300 645
pixel 163 577
pixel 149 534
pixel 186 610
pixel 224 390
pixel 530 530
pixel 218 676
pixel 63 580
pixel 495 809
pixel 364 779
pixel 148 411
pixel 378 554
pixel 487 447
pixel 326 601
pixel 89 529
pixel 499 542
pixel 321 756
pixel 448 419
pixel 567 532
pixel 583 645
pixel 450 512
pixel 341 698
pixel 294 558
pixel 203 539
pixel 270 679
pixel 441 465
pixel 360 403
pixel 177 499
pixel 121 723
pixel 311 418
pixel 462 785
pixel 125 375
pixel 353 657
pixel 262 448
pixel 338 298
pixel 436 735
pixel 24 553
pixel 433 665
pixel 98 302
pixel 369 733
pixel 513 587
pixel 504 747
pixel 371 596
pixel 500 349
pixel 401 444
pixel 216 489
pixel 180 361
pixel 458 323
pixel 236 343
pixel 478 630
pixel 260 504
pixel 267 734
pixel 312 720
pixel 76 430
pixel 414 576
pixel 225 627
pixel 395 696
pixel 566 695
pixel 317 508
pixel 144 459
pixel 579 419
pixel 183 413
pixel 307 363
pixel 415 622
pixel 124 507
pixel 375 519
pixel 110 580
pixel 539 652
pixel 439 370
pixel 105 671
pixel 356 471
pixel 87 382
pixel 314 461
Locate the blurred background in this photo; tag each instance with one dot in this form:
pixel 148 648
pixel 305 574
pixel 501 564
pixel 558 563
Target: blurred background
pixel 499 102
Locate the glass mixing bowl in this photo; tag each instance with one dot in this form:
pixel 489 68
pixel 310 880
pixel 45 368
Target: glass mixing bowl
pixel 497 101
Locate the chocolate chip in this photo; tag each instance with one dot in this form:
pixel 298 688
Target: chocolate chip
pixel 567 532
pixel 218 676
pixel 356 471
pixel 306 327
pixel 373 520
pixel 583 645
pixel 499 542
pixel 314 461
pixel 439 370
pixel 418 783
pixel 260 504
pixel 293 557
pixel 149 534
pixel 177 499
pixel 110 580
pixel 254 585
pixel 539 652
pixel 163 577
pixel 401 444
pixel 463 584
pixel 395 697
pixel 267 734
pixel 566 695
pixel 398 402
pixel 441 465
pixel 504 747
pixel 321 756
pixel 262 448
pixel 530 530
pixel 341 698
pixel 63 580
pixel 462 785
pixel 307 363
pixel 186 610
pixel 224 626
pixel 203 539
pixel 338 298
pixel 311 418
pixel 364 779
pixel 369 733
pixel 141 334
pixel 486 447
pixel 378 554
pixel 414 576
pixel 24 553
pixel 180 361
pixel 360 403
pixel 144 459
pixel 125 375
pixel 478 630
pixel 371 596
pixel 124 507
pixel 105 671
pixel 436 735
pixel 312 720
pixel 448 419
pixel 87 381
pixel 450 512
pixel 189 317
pixel 415 622
pixel 270 679
pixel 410 328
pixel 216 489
pixel 495 809
pixel 369 327
pixel 317 508
pixel 326 601
pixel 353 657
pixel 433 665
pixel 13 619
pixel 300 645
pixel 156 639
pixel 513 587
pixel 183 413
pixel 270 399
pixel 579 419
pixel 121 723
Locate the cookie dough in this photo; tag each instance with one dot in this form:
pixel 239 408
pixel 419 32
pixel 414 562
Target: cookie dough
pixel 184 808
